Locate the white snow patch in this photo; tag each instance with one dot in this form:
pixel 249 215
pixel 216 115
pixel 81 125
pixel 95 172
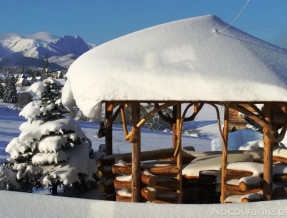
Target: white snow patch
pixel 280 169
pixel 50 158
pixel 250 180
pixel 254 196
pixel 126 178
pixel 212 162
pixel 233 182
pixel 124 192
pixel 245 139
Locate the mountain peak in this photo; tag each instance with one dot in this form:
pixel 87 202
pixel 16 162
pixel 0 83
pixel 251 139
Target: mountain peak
pixel 60 50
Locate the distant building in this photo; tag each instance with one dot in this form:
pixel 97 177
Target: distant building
pixel 57 74
pixel 21 82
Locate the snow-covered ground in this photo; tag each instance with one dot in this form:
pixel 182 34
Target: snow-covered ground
pixel 151 140
pixel 51 206
pixel 15 204
pixel 9 127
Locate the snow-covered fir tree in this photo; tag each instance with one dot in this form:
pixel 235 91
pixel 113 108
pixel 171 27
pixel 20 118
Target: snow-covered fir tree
pixel 51 149
pixel 1 91
pixel 10 92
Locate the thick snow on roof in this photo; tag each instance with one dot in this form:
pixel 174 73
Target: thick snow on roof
pixel 193 59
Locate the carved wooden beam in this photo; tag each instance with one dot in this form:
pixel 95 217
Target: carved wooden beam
pixel 166 118
pixel 122 109
pixel 112 105
pixel 254 117
pixel 155 110
pixel 196 111
pixel 218 121
pixel 257 110
pixel 115 115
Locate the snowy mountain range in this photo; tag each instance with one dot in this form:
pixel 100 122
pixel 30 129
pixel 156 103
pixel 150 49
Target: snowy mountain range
pixel 29 50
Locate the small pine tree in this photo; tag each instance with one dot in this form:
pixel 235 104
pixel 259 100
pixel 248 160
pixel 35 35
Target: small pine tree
pixel 1 91
pixel 51 149
pixel 10 92
pixel 46 73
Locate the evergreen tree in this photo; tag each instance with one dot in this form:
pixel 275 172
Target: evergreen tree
pixel 10 92
pixel 1 91
pixel 51 149
pixel 46 73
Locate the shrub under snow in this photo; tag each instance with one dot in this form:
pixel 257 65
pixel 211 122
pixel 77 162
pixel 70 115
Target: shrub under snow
pixel 51 149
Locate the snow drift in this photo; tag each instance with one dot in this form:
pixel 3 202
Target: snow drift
pixel 15 204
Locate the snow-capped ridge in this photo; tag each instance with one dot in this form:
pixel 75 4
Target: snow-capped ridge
pixel 62 50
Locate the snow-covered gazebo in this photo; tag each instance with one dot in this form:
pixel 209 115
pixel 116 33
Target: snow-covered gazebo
pixel 196 61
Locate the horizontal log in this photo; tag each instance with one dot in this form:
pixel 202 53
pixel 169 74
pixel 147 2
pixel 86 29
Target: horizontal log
pixel 279 193
pixel 166 183
pixel 149 179
pixel 168 196
pixel 164 170
pixel 281 159
pixel 150 164
pixel 230 174
pixel 145 156
pixel 237 174
pixel 122 169
pixel 123 198
pixel 246 187
pixel 235 190
pixel 165 202
pixel 167 159
pixel 105 173
pixel 107 187
pixel 187 156
pixel 280 178
pixel 232 188
pixel 257 155
pixel 196 178
pixel 148 194
pixel 161 202
pixel 108 197
pixel 246 200
pixel 122 184
pixel 102 162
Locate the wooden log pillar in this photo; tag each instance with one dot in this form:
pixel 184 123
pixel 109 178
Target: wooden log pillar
pixel 173 126
pixel 136 150
pixel 268 159
pixel 179 155
pixel 109 128
pixel 224 154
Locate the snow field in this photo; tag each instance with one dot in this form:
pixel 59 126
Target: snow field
pixel 14 204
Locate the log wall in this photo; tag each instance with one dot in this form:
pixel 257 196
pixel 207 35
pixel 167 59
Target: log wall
pixel 237 122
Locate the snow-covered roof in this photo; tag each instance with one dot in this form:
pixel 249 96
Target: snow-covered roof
pixel 20 80
pixel 195 59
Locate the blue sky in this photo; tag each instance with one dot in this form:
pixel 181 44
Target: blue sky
pixel 98 21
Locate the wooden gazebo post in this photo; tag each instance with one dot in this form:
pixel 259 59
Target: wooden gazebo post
pixel 109 128
pixel 136 150
pixel 179 155
pixel 224 154
pixel 268 158
pixel 174 127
